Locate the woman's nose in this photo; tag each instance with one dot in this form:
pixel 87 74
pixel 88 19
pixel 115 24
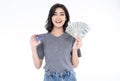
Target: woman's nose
pixel 58 16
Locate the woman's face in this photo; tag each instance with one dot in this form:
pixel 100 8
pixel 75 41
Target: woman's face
pixel 59 18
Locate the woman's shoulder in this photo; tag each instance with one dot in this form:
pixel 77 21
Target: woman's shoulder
pixel 70 36
pixel 43 34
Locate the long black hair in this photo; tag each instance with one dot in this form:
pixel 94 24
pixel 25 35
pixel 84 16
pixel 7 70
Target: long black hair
pixel 49 25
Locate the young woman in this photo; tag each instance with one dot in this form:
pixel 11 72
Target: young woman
pixel 60 50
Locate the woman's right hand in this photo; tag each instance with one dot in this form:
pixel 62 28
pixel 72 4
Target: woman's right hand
pixel 33 41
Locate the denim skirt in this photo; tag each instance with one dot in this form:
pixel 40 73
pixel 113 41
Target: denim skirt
pixel 55 76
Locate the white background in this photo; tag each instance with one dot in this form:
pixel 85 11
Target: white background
pixel 19 19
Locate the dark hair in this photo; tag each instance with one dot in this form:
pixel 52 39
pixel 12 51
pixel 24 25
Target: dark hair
pixel 49 24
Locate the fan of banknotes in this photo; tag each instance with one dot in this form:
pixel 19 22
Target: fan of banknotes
pixel 76 29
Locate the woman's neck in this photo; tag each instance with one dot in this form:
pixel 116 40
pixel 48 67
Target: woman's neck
pixel 57 31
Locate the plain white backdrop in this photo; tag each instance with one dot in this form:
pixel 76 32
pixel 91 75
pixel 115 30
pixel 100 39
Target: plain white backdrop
pixel 19 19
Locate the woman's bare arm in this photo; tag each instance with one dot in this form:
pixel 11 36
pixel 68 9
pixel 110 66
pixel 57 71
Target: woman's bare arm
pixel 37 61
pixel 77 44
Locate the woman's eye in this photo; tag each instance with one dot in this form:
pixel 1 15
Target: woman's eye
pixel 62 14
pixel 54 14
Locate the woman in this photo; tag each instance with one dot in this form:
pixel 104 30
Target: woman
pixel 61 51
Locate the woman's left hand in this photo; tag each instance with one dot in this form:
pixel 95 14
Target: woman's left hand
pixel 78 43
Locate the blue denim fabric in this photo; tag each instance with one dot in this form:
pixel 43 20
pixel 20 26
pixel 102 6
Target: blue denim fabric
pixel 65 76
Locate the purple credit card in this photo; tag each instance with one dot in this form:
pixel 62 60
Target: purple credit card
pixel 39 37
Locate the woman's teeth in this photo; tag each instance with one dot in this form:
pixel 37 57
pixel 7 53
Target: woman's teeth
pixel 58 21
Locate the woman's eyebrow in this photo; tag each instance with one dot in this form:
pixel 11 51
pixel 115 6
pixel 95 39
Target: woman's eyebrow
pixel 59 12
